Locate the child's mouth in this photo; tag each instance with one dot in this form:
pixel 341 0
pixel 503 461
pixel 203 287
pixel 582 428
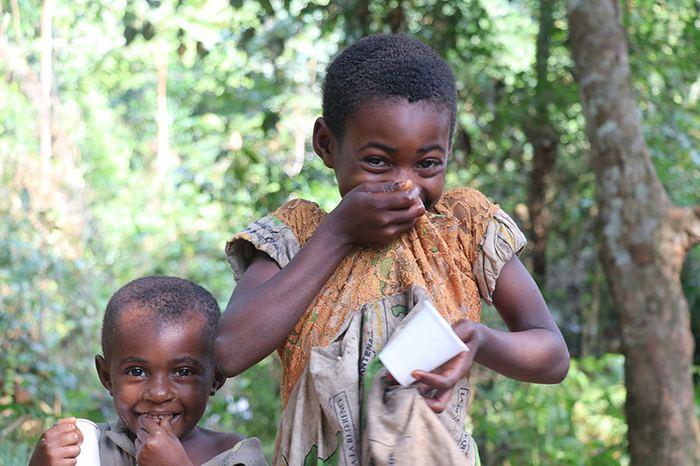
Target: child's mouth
pixel 160 417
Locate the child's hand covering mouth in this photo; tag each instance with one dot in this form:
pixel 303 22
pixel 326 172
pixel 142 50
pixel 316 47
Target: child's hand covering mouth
pixel 413 191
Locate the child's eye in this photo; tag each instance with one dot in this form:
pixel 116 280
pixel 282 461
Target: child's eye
pixel 183 372
pixel 136 372
pixel 377 162
pixel 427 164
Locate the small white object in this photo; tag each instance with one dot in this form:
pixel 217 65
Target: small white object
pixel 89 449
pixel 425 341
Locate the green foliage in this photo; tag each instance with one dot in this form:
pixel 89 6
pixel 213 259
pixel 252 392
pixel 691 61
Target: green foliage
pixel 578 422
pixel 243 87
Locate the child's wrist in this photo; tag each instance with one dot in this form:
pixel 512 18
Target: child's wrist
pixel 480 334
pixel 336 235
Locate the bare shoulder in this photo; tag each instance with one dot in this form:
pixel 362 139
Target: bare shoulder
pixel 219 442
pixel 223 440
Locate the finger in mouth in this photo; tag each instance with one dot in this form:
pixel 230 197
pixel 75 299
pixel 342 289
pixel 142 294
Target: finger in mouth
pixel 161 417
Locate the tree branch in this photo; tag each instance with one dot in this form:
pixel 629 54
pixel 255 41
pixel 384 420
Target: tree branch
pixel 686 221
pixel 693 226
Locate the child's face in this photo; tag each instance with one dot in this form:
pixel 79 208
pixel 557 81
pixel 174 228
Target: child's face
pixel 159 370
pixel 390 141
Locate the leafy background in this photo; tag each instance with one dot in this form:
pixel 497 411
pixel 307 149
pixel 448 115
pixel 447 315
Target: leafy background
pixel 116 201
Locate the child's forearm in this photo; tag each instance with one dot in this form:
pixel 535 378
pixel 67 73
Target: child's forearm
pixel 267 301
pixel 536 355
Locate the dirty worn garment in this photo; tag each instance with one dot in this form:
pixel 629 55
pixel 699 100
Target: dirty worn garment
pixel 454 252
pixel 402 430
pixel 117 448
pixel 337 415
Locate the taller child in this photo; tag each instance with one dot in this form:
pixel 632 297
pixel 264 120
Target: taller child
pixel 327 289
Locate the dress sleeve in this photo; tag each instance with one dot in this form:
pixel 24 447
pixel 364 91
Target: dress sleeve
pixel 500 242
pixel 247 452
pixel 268 235
pixel 279 235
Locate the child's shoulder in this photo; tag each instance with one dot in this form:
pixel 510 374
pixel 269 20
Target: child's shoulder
pixel 233 448
pixel 296 207
pixel 221 441
pixel 301 216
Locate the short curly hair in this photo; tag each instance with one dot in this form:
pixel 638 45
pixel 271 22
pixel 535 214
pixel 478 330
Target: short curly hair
pixel 167 299
pixel 386 66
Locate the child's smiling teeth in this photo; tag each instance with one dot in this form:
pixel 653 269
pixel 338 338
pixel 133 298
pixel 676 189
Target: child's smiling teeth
pixel 161 417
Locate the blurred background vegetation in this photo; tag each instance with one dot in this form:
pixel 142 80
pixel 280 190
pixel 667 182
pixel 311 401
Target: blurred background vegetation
pixel 137 136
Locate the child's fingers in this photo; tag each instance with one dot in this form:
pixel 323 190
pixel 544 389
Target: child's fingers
pixel 447 375
pixel 66 420
pixel 439 402
pixel 464 329
pixel 387 186
pixel 432 379
pixel 458 366
pixel 407 216
pixel 59 430
pixel 400 200
pixel 142 436
pixel 68 452
pixel 165 424
pixel 148 423
pixel 71 437
pixel 65 462
pixel 396 229
pixel 436 398
pixel 391 201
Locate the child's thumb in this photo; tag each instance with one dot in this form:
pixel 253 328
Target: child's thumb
pixel 392 186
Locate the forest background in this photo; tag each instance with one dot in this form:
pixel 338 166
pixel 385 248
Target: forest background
pixel 137 136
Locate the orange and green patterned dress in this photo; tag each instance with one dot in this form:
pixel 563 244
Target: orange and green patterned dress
pixel 455 253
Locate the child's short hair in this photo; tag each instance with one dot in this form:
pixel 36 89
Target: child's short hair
pixel 386 66
pixel 168 299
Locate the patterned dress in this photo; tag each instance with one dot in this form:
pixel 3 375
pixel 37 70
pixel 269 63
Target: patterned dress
pixel 455 253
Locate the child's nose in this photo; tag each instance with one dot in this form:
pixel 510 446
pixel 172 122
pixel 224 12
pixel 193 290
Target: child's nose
pixel 158 390
pixel 402 175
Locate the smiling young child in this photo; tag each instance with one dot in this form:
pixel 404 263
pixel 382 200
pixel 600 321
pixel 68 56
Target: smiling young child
pixel 330 288
pixel 158 366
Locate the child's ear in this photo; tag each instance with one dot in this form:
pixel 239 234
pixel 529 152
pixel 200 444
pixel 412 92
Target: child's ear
pixel 217 383
pixel 103 372
pixel 324 141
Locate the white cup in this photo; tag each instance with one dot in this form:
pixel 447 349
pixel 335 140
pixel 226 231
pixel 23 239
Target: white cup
pixel 89 449
pixel 423 342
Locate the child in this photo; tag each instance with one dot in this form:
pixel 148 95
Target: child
pixel 158 366
pixel 329 288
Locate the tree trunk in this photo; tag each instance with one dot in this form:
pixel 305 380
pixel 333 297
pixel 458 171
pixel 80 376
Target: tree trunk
pixel 543 139
pixel 644 241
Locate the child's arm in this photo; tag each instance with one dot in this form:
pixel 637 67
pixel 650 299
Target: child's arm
pixel 268 301
pixel 58 446
pixel 532 351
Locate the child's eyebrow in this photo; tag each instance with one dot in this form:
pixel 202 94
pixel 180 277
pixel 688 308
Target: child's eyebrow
pixel 187 360
pixel 377 145
pixel 386 148
pixel 132 359
pixel 431 147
